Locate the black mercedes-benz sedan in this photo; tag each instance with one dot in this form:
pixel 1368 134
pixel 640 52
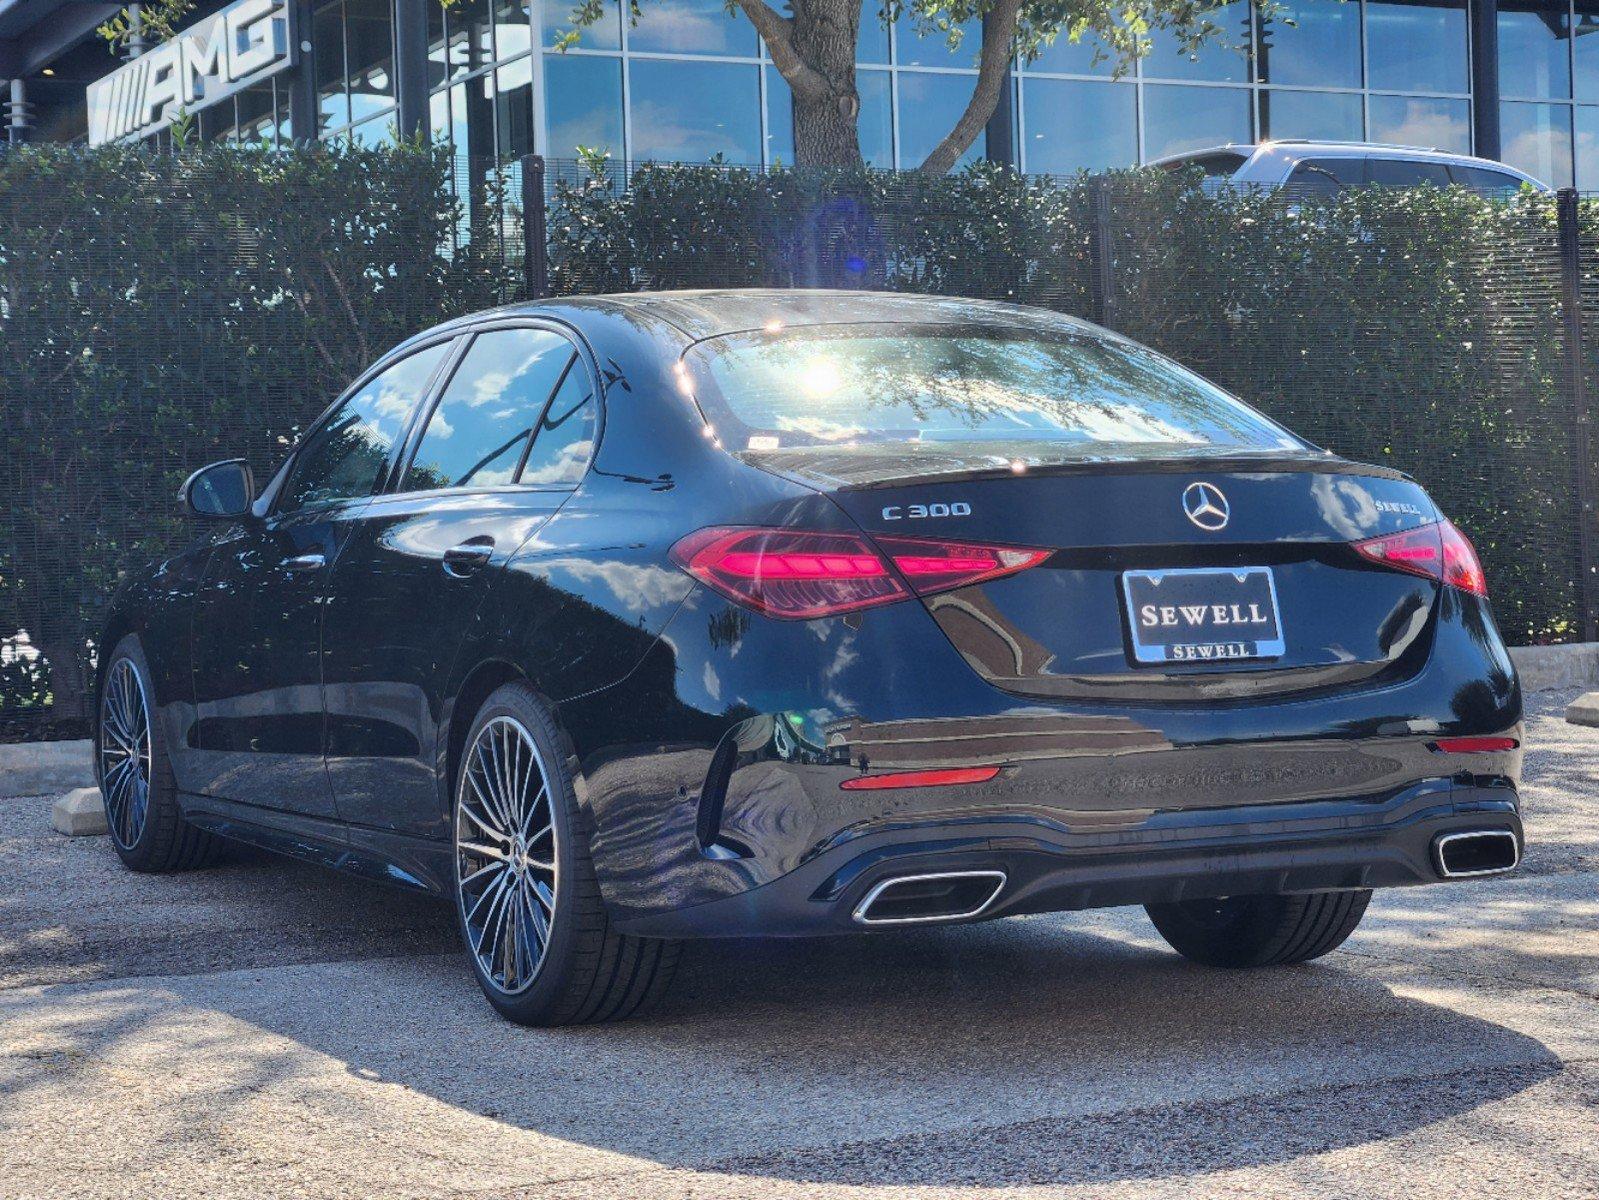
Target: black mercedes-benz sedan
pixel 627 619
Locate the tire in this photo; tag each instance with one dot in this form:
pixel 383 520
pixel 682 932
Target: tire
pixel 540 881
pixel 1259 931
pixel 134 770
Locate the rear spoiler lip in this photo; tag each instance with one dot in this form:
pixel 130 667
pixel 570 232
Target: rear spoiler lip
pixel 1261 464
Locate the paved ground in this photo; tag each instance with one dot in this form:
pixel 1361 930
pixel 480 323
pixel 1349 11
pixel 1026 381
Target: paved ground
pixel 268 1029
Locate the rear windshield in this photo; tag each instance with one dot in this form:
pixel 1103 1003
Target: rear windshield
pixel 839 385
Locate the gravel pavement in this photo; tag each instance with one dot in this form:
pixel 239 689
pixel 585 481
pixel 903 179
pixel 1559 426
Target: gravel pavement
pixel 270 1029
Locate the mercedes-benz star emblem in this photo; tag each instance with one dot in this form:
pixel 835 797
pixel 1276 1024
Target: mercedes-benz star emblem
pixel 1206 506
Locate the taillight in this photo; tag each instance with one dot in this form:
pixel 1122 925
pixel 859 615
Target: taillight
pixel 799 574
pixel 1438 551
pixel 1475 745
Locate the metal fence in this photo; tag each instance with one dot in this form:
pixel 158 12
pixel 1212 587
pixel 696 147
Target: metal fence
pixel 156 315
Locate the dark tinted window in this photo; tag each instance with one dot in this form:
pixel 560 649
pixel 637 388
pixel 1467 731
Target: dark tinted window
pixel 345 455
pixel 565 438
pixel 1327 175
pixel 1212 164
pixel 1402 172
pixel 1484 179
pixel 479 430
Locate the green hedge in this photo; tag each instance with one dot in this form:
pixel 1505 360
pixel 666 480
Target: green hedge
pixel 158 312
pixel 1420 328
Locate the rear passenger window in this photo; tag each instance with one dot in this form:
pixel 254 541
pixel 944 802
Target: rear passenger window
pixel 1401 172
pixel 1483 179
pixel 1327 176
pixel 565 438
pixel 478 433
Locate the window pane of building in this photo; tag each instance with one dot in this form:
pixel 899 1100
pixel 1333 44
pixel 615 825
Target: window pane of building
pixel 327 53
pixel 512 33
pixel 379 131
pixel 1321 48
pixel 690 112
pixel 604 34
pixel 1066 57
pixel 1178 118
pixel 872 45
pixel 1585 51
pixel 691 27
pixel 875 125
pixel 369 41
pixel 470 35
pixel 779 119
pixel 258 120
pixel 1532 50
pixel 513 108
pixel 472 117
pixel 929 106
pixel 1418 121
pixel 1417 47
pixel 1070 126
pixel 1536 138
pixel 1221 58
pixel 1319 116
pixel 933 50
pixel 583 104
pixel 1587 148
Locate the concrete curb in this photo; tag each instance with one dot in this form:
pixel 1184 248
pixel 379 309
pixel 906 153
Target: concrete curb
pixel 39 768
pixel 1557 668
pixel 79 813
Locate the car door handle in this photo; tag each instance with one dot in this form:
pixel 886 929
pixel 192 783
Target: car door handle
pixel 469 555
pixel 305 562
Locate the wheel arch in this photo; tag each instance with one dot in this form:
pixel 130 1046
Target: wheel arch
pixel 477 685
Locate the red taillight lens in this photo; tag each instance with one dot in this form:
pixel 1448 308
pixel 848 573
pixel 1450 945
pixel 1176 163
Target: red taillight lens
pixel 1438 551
pixel 798 574
pixel 943 777
pixel 1475 745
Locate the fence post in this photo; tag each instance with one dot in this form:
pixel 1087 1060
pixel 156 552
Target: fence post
pixel 535 241
pixel 1570 242
pixel 1101 255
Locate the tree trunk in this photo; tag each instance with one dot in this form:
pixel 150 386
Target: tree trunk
pixel 814 51
pixel 993 64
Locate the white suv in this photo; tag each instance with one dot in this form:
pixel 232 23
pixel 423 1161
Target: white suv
pixel 1307 166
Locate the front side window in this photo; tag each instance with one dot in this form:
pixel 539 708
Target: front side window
pixel 496 400
pixel 344 456
pixel 914 386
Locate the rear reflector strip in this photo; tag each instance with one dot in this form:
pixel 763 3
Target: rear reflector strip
pixel 917 779
pixel 1475 745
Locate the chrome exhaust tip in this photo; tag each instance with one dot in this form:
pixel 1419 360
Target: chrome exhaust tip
pixel 1474 852
pixel 940 896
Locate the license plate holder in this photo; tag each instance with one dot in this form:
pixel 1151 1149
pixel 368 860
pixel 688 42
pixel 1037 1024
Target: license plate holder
pixel 1203 614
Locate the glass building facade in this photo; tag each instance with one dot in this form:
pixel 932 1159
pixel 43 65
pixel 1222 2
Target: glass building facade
pixel 1517 79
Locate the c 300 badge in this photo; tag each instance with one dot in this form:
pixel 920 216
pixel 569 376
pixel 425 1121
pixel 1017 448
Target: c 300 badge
pixel 916 512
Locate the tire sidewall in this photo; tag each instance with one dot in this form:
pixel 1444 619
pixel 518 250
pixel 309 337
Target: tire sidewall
pixel 549 985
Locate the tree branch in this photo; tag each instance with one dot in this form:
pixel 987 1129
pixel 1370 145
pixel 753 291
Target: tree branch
pixel 999 33
pixel 776 31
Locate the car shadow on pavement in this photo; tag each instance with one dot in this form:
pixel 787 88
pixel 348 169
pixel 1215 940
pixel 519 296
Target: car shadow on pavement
pixel 1035 1050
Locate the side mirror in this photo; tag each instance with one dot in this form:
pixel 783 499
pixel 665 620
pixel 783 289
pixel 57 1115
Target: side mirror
pixel 220 491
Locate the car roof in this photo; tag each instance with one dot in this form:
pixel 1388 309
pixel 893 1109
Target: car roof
pixel 712 312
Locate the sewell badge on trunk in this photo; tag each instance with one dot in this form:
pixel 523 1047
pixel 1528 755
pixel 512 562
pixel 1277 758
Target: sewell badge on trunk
pixel 1203 614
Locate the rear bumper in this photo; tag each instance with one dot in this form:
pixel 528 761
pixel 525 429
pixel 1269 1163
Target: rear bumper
pixel 1175 855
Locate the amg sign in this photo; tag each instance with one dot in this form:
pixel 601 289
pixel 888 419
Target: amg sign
pixel 208 62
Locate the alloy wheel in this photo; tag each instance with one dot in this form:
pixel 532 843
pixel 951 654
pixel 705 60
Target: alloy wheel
pixel 125 753
pixel 505 855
